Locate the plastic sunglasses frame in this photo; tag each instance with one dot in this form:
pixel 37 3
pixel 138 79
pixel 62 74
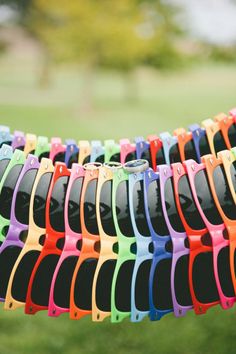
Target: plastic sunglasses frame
pixel 155 146
pixel 17 158
pixel 42 146
pixel 178 241
pixel 33 242
pixel 212 128
pixel 183 138
pixel 215 231
pixel 50 244
pixel 195 240
pixel 143 245
pixel 97 151
pixel 5 135
pixel 18 141
pixel 125 244
pixel 12 238
pixel 84 152
pixel 71 149
pixel 56 148
pixel 70 248
pixel 224 158
pixel 160 253
pixel 107 242
pixel 126 148
pixel 142 146
pixel 111 148
pixel 89 242
pixel 225 123
pixel 168 141
pixel 30 144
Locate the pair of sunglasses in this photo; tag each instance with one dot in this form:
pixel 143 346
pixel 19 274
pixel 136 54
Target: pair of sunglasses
pixel 19 220
pixel 97 151
pixel 156 151
pixel 112 151
pixel 23 267
pixel 186 145
pixel 38 292
pixel 5 135
pixel 83 275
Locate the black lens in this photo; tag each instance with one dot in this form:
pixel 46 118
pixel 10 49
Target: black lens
pixel 100 159
pixel 122 209
pixel 57 204
pixel 115 158
pixel 131 156
pixel 74 205
pixel 3 165
pixel 219 142
pixel 43 155
pixel 139 209
pixel 173 215
pixel 203 278
pixel 90 215
pixel 232 135
pixel 63 282
pixel 74 158
pixel 204 146
pixel 205 198
pixel 190 151
pixel 225 272
pixel 161 285
pixel 123 287
pixel 155 209
pixel 233 174
pixel 23 196
pixel 146 156
pixel 60 157
pixel 188 206
pixel 104 284
pixel 40 199
pixel 160 157
pixel 84 283
pixel 86 160
pixel 22 275
pixel 43 279
pixel 223 193
pixel 8 258
pixel 8 190
pixel 181 281
pixel 105 207
pixel 6 143
pixel 174 154
pixel 142 286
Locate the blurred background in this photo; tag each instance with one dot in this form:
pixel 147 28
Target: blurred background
pixel 100 69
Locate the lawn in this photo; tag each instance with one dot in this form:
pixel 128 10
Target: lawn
pixel 164 102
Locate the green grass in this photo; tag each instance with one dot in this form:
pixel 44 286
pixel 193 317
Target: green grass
pixel 164 102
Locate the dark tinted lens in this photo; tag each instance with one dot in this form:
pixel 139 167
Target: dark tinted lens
pixel 8 190
pixel 23 196
pixel 219 142
pixel 105 207
pixel 161 286
pixel 60 157
pixel 139 209
pixel 74 205
pixel 63 282
pixel 3 165
pixel 160 158
pixel 90 215
pixel 224 272
pixel 181 281
pixel 100 159
pixel 171 207
pixel 142 286
pixel 188 205
pixel 86 160
pixel 205 198
pixel 57 204
pixel 130 157
pixel 223 193
pixel 8 258
pixel 146 156
pixel 122 209
pixel 6 143
pixel 44 155
pixel 22 275
pixel 104 284
pixel 203 278
pixel 115 158
pixel 232 135
pixel 155 209
pixel 189 151
pixel 204 146
pixel 84 283
pixel 74 158
pixel 233 174
pixel 42 280
pixel 40 198
pixel 174 154
pixel 123 287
